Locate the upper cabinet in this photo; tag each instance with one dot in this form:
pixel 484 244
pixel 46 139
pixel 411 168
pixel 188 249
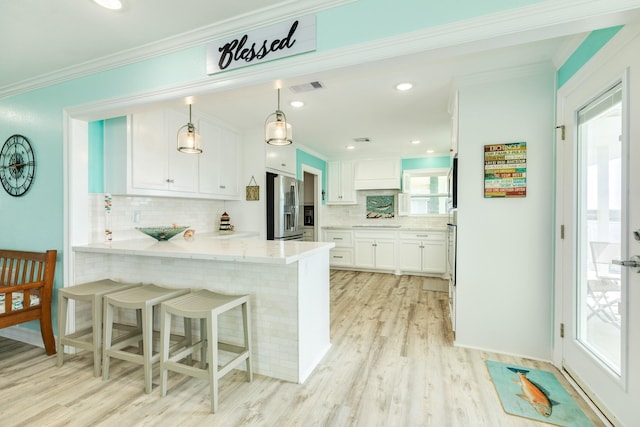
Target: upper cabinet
pixel 340 183
pixel 281 159
pixel 156 163
pixel 377 174
pixel 143 160
pixel 219 162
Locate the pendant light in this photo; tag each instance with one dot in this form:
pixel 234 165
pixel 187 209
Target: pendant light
pixel 278 131
pixel 189 140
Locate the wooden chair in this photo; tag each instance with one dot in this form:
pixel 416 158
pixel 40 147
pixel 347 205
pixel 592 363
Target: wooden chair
pixel 26 287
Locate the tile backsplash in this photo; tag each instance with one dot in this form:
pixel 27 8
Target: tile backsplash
pixel 128 212
pixel 348 215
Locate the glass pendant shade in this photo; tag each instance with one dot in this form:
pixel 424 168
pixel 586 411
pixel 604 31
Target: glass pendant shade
pixel 277 131
pixel 189 140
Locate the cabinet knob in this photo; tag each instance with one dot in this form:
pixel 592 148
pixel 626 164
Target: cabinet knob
pixel 169 180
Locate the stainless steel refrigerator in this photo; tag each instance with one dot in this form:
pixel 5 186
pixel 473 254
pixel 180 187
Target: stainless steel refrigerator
pixel 284 207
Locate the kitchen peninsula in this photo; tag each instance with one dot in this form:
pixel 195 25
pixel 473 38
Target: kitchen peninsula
pixel 288 283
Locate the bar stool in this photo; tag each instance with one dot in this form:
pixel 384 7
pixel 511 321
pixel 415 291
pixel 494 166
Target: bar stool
pixel 142 299
pixel 206 306
pixel 92 292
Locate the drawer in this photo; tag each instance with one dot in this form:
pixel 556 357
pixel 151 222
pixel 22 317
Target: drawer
pixel 375 235
pixel 341 257
pixel 423 235
pixel 339 237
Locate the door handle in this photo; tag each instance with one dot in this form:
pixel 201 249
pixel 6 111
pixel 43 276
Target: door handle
pixel 634 263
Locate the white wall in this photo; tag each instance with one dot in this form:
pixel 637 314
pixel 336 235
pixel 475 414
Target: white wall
pixel 504 276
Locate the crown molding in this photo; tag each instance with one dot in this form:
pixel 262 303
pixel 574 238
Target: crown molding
pixel 548 19
pixel 247 22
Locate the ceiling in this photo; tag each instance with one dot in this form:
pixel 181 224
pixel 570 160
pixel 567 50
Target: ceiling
pixel 355 102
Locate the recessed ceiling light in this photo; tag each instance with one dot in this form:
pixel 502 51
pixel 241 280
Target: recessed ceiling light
pixel 350 147
pixel 109 4
pixel 415 141
pixel 404 86
pixel 430 151
pixel 296 104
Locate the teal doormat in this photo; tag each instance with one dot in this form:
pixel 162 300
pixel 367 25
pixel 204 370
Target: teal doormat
pixel 535 394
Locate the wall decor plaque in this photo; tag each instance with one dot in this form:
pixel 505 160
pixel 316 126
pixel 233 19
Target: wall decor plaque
pixel 505 170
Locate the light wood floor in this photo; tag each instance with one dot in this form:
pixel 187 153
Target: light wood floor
pixel 392 363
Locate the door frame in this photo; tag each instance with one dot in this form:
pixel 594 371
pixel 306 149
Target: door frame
pixel 565 169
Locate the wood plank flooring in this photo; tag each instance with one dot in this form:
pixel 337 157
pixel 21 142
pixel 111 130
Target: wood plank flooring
pixel 392 363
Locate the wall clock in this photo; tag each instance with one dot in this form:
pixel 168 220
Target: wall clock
pixel 17 165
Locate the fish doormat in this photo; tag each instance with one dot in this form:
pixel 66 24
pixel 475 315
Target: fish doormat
pixel 535 394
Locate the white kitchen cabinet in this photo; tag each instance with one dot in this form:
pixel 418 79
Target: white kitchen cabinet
pixel 422 252
pixel 141 158
pixel 342 254
pixel 377 174
pixel 156 164
pixel 219 161
pixel 340 183
pixel 281 159
pixel 375 250
pixel 308 234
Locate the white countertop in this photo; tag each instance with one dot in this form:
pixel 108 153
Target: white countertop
pixel 212 248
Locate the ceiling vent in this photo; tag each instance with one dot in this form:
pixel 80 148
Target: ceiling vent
pixel 307 87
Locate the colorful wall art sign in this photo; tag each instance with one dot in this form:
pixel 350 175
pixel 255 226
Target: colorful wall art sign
pixel 505 170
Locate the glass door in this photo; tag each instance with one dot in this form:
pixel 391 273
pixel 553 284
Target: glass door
pixel 599 209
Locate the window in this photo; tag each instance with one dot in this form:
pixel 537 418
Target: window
pixel 425 192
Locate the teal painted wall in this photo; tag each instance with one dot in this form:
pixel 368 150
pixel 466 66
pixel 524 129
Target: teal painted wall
pixel 96 156
pixel 589 47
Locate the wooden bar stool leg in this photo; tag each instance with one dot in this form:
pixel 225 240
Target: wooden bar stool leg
pixel 147 344
pixel 203 348
pixel 63 304
pixel 108 332
pixel 96 311
pixel 212 347
pixel 246 319
pixel 165 331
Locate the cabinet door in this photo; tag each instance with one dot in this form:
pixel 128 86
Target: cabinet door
pixel 334 183
pixel 218 167
pixel 410 255
pixel 340 183
pixel 228 184
pixel 434 257
pixel 183 168
pixel 385 251
pixel 149 163
pixel 365 253
pixel 209 158
pixel 281 158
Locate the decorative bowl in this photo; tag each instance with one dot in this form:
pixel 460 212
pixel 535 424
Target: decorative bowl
pixel 162 233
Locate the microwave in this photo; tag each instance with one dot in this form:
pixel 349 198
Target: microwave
pixel 453 184
pixel 308 215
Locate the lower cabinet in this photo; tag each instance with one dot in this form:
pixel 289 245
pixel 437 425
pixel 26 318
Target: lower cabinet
pixel 375 250
pixel 342 254
pixel 422 252
pixel 412 252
